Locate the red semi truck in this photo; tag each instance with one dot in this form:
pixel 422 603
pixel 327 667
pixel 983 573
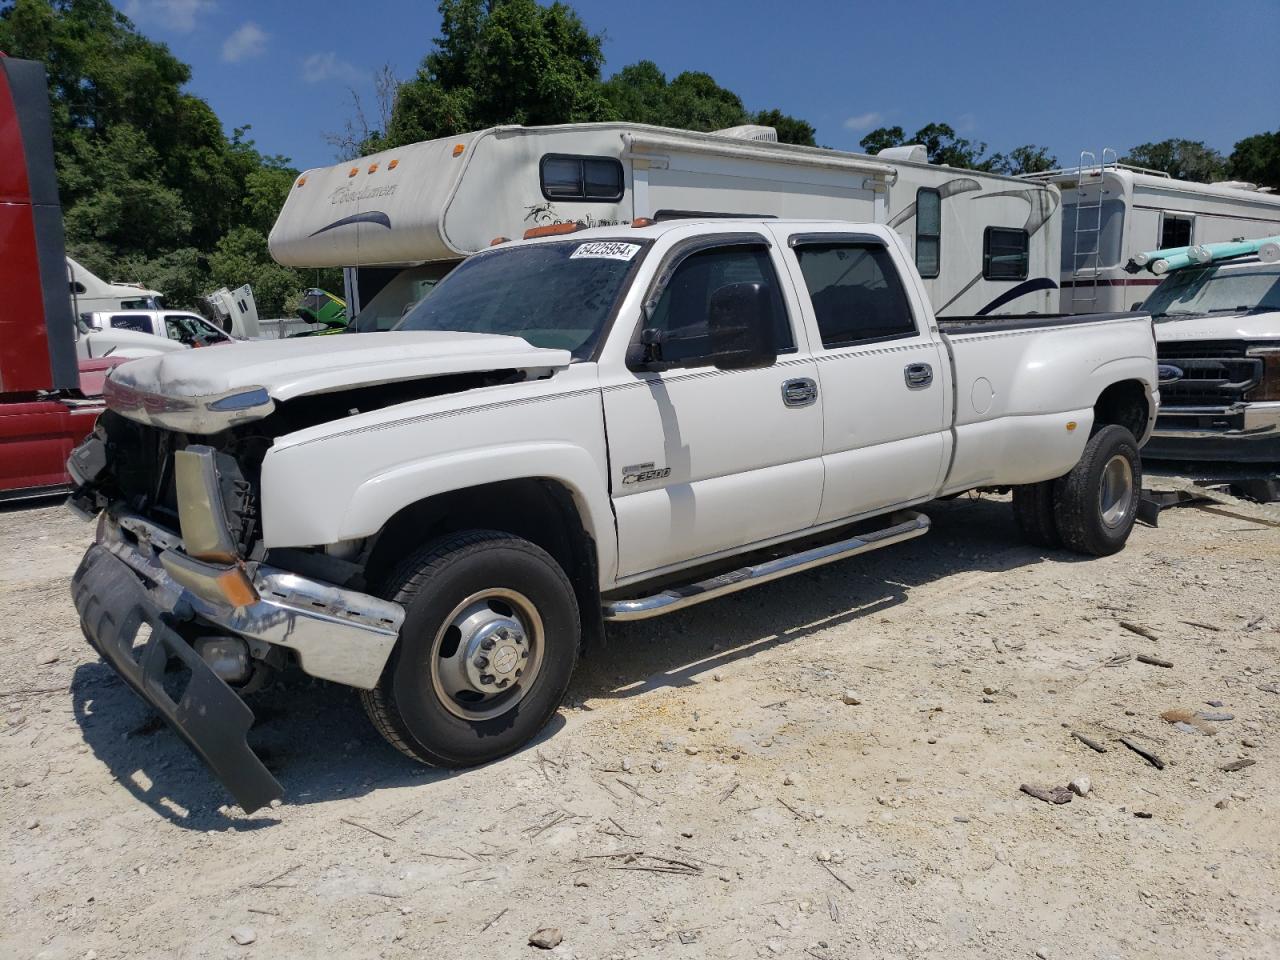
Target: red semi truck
pixel 48 401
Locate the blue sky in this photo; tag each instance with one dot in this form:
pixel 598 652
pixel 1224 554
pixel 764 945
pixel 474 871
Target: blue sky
pixel 1071 76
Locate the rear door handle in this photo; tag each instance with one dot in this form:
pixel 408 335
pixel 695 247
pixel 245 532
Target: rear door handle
pixel 918 375
pixel 799 392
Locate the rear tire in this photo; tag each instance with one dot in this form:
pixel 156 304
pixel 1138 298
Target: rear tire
pixel 489 642
pixel 1034 512
pixel 1097 502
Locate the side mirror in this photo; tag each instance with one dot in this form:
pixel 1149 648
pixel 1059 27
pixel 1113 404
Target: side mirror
pixel 741 326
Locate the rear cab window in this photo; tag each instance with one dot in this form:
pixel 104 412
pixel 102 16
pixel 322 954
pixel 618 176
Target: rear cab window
pixel 137 322
pixel 856 291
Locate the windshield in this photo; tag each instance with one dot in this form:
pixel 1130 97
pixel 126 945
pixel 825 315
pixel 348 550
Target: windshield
pixel 1216 288
pixel 556 295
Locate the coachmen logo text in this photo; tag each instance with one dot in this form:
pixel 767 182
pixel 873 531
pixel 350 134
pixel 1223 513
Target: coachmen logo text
pixel 350 195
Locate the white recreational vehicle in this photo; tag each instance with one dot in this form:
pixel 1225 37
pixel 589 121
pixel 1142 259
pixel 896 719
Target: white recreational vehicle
pixel 399 220
pixel 1112 211
pixel 89 294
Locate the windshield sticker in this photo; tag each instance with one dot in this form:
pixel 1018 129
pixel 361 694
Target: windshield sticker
pixel 606 250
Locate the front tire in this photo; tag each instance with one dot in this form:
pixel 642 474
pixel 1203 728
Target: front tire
pixel 489 642
pixel 1097 502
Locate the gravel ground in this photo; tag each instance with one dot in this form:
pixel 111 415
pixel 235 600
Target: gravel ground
pixel 707 791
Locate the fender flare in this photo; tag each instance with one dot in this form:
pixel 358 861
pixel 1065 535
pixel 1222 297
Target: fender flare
pixel 383 495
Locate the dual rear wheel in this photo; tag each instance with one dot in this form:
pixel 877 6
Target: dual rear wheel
pixel 1092 509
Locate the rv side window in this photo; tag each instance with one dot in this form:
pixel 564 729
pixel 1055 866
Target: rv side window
pixel 1005 253
pixel 1175 230
pixel 856 292
pixel 595 179
pixel 680 314
pixel 140 324
pixel 928 232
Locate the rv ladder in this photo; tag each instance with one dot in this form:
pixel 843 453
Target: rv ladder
pixel 1086 259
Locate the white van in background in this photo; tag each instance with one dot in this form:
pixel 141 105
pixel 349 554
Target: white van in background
pixel 399 220
pixel 1112 211
pixel 90 294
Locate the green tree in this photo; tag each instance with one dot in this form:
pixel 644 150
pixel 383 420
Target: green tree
pixel 149 181
pixel 241 257
pixel 1181 159
pixel 944 146
pixel 1025 159
pixel 500 61
pixel 790 129
pixel 1257 159
pixel 882 138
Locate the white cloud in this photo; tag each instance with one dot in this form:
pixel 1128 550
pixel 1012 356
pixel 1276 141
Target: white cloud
pixel 178 15
pixel 966 123
pixel 863 121
pixel 320 67
pixel 249 40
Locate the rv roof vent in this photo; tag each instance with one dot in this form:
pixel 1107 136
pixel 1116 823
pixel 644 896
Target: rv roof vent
pixel 750 131
pixel 1236 184
pixel 911 152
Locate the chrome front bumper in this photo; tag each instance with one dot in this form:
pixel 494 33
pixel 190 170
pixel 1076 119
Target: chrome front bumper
pixel 1239 421
pixel 337 634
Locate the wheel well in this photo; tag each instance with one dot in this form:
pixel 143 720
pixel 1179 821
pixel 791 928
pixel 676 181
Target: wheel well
pixel 537 509
pixel 1124 404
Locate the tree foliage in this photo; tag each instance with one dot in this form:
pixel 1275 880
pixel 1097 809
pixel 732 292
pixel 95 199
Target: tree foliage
pixel 148 179
pixel 1181 159
pixel 517 61
pixel 944 146
pixel 496 62
pixel 1257 160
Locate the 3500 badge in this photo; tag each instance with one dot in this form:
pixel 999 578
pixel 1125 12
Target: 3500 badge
pixel 643 473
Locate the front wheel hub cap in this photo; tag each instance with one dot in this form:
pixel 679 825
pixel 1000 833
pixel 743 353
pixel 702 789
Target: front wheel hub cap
pixel 487 654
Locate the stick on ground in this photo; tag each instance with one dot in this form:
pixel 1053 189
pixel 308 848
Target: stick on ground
pixel 1144 753
pixel 1091 744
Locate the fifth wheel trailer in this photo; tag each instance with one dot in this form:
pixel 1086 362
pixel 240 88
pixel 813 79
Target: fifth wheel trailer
pixel 399 220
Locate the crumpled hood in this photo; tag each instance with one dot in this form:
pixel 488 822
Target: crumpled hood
pixel 1220 326
pixel 308 365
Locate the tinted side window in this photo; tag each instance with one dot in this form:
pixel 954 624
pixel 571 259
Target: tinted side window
pixel 856 292
pixel 1005 253
pixel 928 232
pixel 125 321
pixel 581 178
pixel 681 312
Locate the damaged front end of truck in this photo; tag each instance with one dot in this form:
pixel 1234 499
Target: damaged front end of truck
pixel 180 594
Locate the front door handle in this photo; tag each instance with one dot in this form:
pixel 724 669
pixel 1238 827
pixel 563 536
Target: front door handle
pixel 799 392
pixel 918 375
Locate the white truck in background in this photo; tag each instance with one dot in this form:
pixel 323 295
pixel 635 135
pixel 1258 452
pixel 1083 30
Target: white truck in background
pixel 1218 343
pixel 90 294
pixel 604 424
pixel 399 220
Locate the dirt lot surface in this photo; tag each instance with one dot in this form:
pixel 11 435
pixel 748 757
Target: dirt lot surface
pixel 707 792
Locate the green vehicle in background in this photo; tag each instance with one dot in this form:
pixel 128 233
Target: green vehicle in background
pixel 321 307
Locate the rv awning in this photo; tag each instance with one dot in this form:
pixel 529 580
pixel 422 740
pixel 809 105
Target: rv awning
pixel 640 145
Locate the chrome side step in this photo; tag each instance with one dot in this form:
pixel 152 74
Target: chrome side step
pixel 907 525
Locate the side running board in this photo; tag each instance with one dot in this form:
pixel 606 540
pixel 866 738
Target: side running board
pixel 906 525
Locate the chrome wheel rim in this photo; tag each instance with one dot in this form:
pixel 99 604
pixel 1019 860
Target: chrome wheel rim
pixel 1115 495
pixel 487 654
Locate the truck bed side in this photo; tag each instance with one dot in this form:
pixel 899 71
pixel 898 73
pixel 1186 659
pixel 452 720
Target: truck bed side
pixel 1026 389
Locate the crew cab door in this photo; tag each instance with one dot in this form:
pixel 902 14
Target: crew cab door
pixel 706 460
pixel 883 374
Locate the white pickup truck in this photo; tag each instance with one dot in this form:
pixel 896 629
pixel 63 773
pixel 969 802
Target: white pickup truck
pixel 1218 341
pixel 594 425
